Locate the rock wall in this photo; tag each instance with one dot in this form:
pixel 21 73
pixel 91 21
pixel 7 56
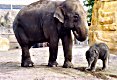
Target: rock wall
pixel 104 23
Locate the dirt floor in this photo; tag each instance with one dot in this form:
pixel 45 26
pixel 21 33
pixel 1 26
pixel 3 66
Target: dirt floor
pixel 10 68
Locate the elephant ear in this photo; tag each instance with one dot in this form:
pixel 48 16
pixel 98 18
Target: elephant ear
pixel 59 14
pixel 87 54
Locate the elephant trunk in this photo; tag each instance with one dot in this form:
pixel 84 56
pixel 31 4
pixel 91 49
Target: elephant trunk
pixel 80 33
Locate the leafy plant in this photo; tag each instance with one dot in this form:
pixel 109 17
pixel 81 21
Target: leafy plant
pixel 89 4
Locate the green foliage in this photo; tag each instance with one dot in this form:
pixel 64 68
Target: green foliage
pixel 89 4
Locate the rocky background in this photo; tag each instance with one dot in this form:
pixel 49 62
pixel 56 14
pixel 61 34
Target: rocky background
pixel 6 32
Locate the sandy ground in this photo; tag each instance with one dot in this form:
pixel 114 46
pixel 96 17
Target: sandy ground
pixel 10 68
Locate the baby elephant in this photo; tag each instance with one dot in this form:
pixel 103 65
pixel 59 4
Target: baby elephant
pixel 95 52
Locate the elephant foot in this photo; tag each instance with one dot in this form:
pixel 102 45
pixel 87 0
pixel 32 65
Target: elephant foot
pixel 88 69
pixel 68 64
pixel 104 69
pixel 27 63
pixel 93 69
pixel 52 64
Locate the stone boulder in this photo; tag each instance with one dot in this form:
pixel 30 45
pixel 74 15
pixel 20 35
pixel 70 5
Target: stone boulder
pixel 4 44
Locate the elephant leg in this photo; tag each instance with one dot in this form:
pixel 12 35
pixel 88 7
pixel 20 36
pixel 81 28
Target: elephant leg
pixel 67 48
pixel 26 59
pixel 93 65
pixel 89 65
pixel 105 64
pixel 25 46
pixel 53 49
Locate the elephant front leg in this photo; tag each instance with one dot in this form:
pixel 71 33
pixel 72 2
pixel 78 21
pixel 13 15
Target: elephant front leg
pixel 67 48
pixel 53 49
pixel 89 65
pixel 93 65
pixel 26 59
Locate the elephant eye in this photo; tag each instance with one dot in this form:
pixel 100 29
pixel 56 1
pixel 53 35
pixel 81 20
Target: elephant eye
pixel 76 18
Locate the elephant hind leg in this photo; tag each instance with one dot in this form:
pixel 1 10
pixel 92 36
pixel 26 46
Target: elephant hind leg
pixel 105 64
pixel 26 59
pixel 25 46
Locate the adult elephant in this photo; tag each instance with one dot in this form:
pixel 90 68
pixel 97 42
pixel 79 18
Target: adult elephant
pixel 49 21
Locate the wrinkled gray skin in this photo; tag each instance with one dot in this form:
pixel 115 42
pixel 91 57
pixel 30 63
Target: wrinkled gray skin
pixel 95 52
pixel 49 21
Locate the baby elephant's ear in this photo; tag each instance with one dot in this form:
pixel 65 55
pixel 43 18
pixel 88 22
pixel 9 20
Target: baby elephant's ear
pixel 59 14
pixel 87 53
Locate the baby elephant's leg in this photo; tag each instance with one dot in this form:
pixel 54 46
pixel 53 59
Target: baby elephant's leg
pixel 93 65
pixel 105 64
pixel 89 66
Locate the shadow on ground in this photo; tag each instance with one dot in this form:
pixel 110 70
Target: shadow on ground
pixel 98 73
